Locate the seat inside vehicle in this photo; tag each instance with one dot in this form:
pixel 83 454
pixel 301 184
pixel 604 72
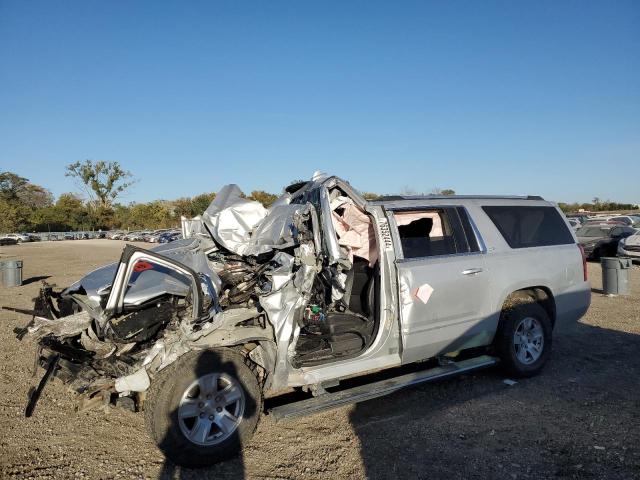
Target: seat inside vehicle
pixel 347 333
pixel 342 321
pixel 425 237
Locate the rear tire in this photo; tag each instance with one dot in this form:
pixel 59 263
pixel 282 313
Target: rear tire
pixel 524 337
pixel 189 415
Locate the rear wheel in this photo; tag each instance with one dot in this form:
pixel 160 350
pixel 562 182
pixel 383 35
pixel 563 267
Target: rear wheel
pixel 203 408
pixel 523 340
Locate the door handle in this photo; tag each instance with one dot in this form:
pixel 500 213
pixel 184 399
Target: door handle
pixel 472 271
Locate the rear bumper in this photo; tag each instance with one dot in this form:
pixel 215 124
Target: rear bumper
pixel 572 304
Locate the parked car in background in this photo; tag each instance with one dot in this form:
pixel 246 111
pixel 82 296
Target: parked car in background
pixel 630 246
pixel 18 237
pixel 138 236
pixel 602 240
pixel 7 240
pixel 153 237
pixel 574 222
pixel 127 236
pixel 629 220
pixel 169 237
pixel 581 217
pixel 596 222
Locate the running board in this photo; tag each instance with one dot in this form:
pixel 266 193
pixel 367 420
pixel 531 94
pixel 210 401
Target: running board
pixel 333 400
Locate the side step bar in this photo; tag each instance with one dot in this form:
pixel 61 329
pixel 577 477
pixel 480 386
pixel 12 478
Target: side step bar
pixel 333 400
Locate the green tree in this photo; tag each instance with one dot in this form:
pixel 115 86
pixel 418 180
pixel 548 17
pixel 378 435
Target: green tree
pixel 263 197
pixel 370 196
pixel 442 191
pixel 154 214
pixel 20 200
pixel 199 203
pixel 14 217
pixel 12 186
pixel 103 181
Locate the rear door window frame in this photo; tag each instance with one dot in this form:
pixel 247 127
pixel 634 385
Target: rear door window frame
pixel 475 241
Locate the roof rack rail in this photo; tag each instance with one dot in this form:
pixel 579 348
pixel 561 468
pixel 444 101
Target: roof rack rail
pixel 389 198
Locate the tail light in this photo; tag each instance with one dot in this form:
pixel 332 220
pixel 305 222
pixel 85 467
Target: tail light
pixel 584 262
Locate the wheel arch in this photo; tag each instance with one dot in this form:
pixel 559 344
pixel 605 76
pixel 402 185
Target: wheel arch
pixel 536 293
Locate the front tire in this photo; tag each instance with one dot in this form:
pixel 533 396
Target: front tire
pixel 524 337
pixel 204 407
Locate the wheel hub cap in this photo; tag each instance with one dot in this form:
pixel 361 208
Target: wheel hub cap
pixel 528 340
pixel 211 409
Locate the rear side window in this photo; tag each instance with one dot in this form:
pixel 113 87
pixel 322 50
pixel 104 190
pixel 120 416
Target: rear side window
pixel 527 226
pixel 432 232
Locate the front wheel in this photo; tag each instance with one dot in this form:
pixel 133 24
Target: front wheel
pixel 204 407
pixel 523 340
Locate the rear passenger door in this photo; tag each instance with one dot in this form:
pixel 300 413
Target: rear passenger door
pixel 444 286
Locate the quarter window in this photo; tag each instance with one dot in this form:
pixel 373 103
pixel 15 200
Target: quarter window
pixel 530 226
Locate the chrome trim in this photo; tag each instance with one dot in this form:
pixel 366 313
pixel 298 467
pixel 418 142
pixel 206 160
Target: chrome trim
pixel 449 255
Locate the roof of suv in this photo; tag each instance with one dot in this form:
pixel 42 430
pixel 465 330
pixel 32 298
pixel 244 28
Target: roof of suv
pixel 395 198
pixel 408 202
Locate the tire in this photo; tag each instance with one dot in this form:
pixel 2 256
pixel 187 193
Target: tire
pixel 520 358
pixel 177 406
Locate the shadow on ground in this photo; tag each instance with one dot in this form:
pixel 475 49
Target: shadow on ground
pixel 577 419
pixel 35 279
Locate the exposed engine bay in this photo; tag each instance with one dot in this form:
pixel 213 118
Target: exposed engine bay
pixel 293 286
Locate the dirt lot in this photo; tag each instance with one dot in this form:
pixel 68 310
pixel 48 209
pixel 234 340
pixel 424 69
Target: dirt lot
pixel 579 419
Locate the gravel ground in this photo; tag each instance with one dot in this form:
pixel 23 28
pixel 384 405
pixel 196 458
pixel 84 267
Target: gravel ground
pixel 580 418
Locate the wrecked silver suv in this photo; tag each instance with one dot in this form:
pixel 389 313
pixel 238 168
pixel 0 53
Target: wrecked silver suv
pixel 321 287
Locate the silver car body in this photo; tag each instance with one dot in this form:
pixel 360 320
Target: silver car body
pixel 630 247
pixel 425 306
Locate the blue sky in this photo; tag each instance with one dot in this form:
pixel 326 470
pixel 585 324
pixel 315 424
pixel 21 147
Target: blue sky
pixel 513 97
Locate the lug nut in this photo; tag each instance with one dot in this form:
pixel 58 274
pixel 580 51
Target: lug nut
pixel 201 404
pixel 219 409
pixel 202 415
pixel 218 398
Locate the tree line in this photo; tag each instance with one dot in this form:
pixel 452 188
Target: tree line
pixel 27 207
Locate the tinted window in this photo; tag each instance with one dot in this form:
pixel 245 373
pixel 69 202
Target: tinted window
pixel 525 226
pixel 431 232
pixel 592 232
